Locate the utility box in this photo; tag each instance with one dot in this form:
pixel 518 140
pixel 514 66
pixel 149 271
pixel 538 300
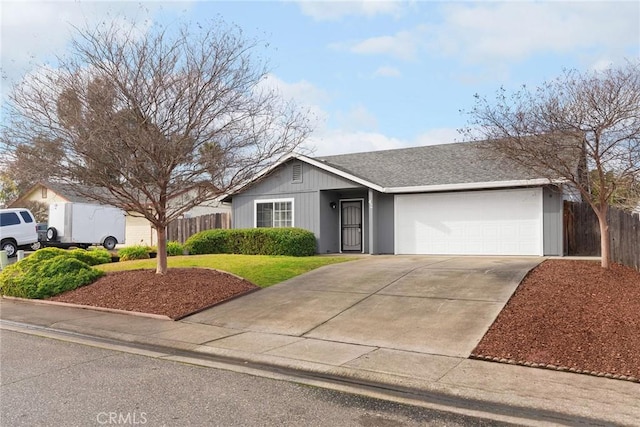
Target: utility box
pixel 85 224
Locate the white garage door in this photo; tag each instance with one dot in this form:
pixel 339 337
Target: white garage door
pixel 497 222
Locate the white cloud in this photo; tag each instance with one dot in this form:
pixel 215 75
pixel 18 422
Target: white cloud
pixel 351 131
pixel 337 141
pixel 438 136
pixel 337 9
pixel 489 32
pixel 402 45
pixel 485 32
pixel 358 118
pixel 302 92
pixel 35 31
pixel 387 71
pixel 602 64
pixel 327 142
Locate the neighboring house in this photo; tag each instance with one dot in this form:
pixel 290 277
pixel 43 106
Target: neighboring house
pixel 138 230
pixel 48 194
pixel 442 199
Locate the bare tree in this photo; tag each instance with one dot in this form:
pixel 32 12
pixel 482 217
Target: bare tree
pixel 26 165
pixel 593 116
pixel 156 123
pixel 8 188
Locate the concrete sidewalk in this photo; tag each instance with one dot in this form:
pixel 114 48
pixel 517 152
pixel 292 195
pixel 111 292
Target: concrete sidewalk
pixel 334 345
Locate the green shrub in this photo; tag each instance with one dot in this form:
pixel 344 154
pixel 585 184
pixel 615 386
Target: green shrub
pixel 92 256
pixel 253 241
pixel 133 252
pixel 174 248
pixel 208 242
pixel 45 273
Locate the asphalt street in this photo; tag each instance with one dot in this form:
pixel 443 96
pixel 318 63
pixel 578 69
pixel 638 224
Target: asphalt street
pixel 44 381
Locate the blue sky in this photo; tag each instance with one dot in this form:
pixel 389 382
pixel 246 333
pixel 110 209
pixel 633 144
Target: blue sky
pixel 376 74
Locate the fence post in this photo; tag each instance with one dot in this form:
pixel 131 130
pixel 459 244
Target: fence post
pixel 4 259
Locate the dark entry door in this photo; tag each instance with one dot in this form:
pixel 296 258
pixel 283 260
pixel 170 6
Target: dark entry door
pixel 351 224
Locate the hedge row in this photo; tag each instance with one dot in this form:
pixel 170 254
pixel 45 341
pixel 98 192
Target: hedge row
pixel 51 271
pixel 253 241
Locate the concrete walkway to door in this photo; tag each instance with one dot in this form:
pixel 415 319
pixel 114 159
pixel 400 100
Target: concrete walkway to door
pixel 425 304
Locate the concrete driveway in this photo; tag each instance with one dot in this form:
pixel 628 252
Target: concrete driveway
pixel 427 304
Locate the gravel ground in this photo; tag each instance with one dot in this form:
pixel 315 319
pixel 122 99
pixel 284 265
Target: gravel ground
pixel 182 291
pixel 573 315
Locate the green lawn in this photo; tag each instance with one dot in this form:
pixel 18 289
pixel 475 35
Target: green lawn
pixel 263 270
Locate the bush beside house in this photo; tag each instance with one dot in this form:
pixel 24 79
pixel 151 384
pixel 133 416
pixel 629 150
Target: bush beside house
pixel 253 241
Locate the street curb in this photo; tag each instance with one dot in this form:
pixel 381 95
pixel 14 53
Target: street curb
pixel 443 397
pixel 87 307
pixel 554 367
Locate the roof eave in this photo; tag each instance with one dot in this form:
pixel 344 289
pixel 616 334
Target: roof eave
pixel 226 197
pixel 473 186
pixel 322 165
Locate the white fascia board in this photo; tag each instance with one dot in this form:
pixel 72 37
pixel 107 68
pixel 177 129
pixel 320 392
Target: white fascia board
pixel 470 186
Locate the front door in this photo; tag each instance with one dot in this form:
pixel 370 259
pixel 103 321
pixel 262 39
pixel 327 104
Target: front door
pixel 351 225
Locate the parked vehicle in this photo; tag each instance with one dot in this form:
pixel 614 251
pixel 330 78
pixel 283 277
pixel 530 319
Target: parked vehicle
pixel 41 229
pixel 17 230
pixel 85 224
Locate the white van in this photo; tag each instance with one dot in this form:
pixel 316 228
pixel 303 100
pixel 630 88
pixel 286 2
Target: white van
pixel 17 230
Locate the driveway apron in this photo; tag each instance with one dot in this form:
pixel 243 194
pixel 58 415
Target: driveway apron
pixel 428 304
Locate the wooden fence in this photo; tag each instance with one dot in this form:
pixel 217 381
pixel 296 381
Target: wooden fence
pixel 180 229
pixel 582 233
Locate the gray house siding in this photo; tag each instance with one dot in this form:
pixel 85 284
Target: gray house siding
pixel 312 196
pixel 305 209
pixel 329 235
pixel 385 221
pixel 280 181
pixel 552 206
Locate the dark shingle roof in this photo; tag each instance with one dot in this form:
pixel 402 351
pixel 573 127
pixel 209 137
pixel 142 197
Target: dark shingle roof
pixel 463 162
pixel 67 191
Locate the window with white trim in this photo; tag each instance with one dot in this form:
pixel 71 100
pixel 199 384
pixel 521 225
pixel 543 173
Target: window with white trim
pixel 274 213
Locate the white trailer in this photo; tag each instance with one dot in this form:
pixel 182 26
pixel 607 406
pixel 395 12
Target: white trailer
pixel 85 224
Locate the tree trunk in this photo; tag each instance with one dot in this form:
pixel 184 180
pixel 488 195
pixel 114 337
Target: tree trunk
pixel 605 246
pixel 161 267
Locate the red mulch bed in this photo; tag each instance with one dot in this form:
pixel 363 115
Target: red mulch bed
pixel 182 291
pixel 572 315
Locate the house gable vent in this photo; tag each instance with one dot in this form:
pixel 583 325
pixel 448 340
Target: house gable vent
pixel 296 172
